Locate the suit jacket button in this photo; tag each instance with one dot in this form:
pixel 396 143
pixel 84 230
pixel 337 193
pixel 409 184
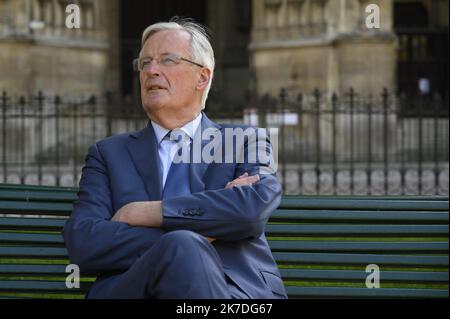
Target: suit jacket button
pixel 184 212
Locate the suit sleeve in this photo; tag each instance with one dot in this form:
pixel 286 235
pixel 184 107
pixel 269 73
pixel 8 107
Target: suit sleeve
pixel 94 242
pixel 228 214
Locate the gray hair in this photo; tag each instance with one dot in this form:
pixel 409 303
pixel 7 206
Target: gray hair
pixel 201 49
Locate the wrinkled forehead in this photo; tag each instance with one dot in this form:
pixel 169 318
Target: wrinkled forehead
pixel 167 41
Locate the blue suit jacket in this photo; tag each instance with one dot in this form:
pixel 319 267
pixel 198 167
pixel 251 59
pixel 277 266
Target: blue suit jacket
pixel 124 168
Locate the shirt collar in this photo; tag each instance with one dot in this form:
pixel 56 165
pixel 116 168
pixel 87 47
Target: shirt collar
pixel 189 128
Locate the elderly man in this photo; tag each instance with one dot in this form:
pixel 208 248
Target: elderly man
pixel 151 227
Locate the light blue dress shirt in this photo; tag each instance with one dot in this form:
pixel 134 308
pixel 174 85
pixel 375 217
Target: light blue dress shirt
pixel 165 146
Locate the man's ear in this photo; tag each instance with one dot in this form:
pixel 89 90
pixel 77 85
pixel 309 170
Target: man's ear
pixel 203 79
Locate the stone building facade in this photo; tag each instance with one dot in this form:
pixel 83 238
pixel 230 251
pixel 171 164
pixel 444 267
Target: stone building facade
pixel 321 44
pixel 307 44
pixel 38 51
pixel 260 45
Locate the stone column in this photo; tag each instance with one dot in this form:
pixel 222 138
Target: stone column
pixel 330 49
pixel 366 58
pixel 21 11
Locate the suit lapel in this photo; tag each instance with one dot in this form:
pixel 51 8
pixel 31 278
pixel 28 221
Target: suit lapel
pixel 198 169
pixel 143 149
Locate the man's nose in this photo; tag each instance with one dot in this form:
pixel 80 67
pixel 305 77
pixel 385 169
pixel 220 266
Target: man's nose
pixel 152 69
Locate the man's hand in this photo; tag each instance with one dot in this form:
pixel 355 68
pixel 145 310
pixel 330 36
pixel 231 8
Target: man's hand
pixel 147 213
pixel 242 180
pixel 142 214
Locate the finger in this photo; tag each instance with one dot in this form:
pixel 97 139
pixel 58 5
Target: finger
pixel 252 179
pixel 243 180
pixel 245 175
pixel 247 180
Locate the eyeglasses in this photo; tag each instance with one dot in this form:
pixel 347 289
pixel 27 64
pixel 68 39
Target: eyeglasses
pixel 166 60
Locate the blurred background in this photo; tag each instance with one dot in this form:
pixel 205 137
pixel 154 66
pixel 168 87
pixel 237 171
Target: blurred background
pixel 358 110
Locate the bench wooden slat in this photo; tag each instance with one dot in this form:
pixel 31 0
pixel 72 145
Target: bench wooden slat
pixel 44 252
pixel 33 269
pixel 287 274
pixel 27 222
pixel 340 292
pixel 356 204
pixel 31 238
pixel 18 207
pixel 30 195
pixel 361 259
pixel 410 247
pixel 41 285
pixel 275 245
pixel 348 230
pixel 292 215
pixel 356 275
pixel 40 188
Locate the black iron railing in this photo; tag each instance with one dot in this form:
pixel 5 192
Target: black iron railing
pixel 326 144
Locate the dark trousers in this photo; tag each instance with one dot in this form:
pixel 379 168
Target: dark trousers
pixel 181 264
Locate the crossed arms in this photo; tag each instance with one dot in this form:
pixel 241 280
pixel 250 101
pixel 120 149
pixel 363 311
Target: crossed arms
pixel 100 239
pixel 149 213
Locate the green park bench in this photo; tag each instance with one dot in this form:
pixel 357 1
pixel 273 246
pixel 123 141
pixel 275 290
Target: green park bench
pixel 322 245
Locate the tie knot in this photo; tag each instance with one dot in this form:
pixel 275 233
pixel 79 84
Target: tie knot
pixel 177 135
